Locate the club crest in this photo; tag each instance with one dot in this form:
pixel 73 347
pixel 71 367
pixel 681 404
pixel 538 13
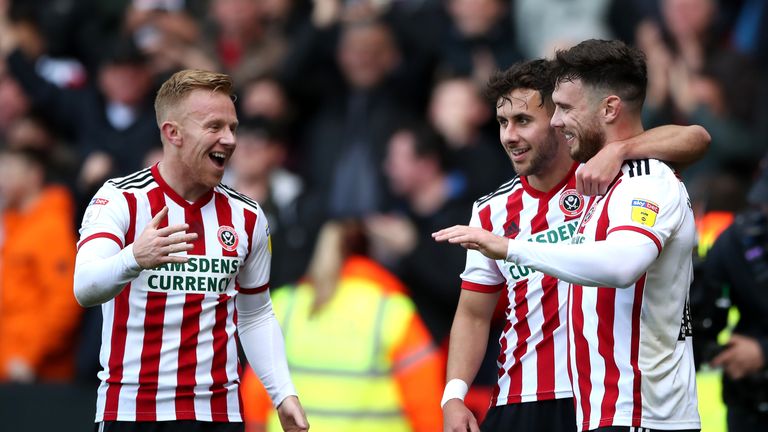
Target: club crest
pixel 228 238
pixel 571 203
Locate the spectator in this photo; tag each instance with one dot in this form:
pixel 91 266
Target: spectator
pixel 258 172
pixel 345 138
pixel 460 115
pixel 38 315
pixel 14 104
pixel 111 123
pixel 238 41
pixel 383 372
pixel 417 176
pixel 476 39
pixel 735 274
pixel 694 78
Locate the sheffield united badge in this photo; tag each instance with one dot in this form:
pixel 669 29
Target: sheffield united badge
pixel 571 203
pixel 228 238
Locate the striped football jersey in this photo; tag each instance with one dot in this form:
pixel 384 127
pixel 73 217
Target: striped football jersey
pixel 169 350
pixel 533 357
pixel 630 348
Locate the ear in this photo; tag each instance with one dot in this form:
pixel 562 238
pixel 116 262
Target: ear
pixel 611 108
pixel 171 132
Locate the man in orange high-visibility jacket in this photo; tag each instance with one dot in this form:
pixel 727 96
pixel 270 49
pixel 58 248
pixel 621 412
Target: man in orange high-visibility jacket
pixel 359 354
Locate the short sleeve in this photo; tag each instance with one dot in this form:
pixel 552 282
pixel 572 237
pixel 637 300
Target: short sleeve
pixel 480 272
pixel 105 217
pixel 254 276
pixel 650 205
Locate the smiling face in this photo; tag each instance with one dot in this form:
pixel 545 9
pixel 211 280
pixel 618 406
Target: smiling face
pixel 524 132
pixel 205 137
pixel 576 118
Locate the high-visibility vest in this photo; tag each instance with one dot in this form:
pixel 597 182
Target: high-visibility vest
pixel 339 357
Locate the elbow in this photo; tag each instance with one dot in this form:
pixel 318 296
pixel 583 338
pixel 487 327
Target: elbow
pixel 82 298
pixel 85 292
pixel 626 279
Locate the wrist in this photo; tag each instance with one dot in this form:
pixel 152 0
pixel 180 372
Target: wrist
pixel 621 149
pixel 454 389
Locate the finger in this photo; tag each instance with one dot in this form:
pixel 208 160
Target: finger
pixel 174 248
pixel 173 259
pixel 580 187
pixel 462 238
pixel 173 229
pixel 181 238
pixel 155 222
pixel 449 233
pixel 469 245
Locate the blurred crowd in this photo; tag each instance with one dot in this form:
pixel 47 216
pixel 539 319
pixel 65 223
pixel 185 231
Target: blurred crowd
pixel 365 110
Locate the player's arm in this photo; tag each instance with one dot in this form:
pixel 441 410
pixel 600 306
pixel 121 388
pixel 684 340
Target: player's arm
pixel 104 266
pixel 643 212
pixel 617 261
pixel 679 145
pixel 259 331
pixel 469 340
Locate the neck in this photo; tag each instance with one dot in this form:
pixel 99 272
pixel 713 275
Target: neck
pixel 181 182
pixel 621 130
pixel 553 174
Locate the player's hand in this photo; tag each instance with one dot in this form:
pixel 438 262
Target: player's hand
pixel 489 244
pixel 291 415
pixel 458 418
pixel 155 245
pixel 594 177
pixel 742 357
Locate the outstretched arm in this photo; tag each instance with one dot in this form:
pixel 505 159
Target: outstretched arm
pixel 679 145
pixel 617 261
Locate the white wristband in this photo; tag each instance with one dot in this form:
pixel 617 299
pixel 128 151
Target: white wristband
pixel 455 389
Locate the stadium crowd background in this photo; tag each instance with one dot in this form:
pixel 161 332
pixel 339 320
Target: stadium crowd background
pixel 350 109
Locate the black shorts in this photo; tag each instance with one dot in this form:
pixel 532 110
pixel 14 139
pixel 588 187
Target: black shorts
pixel 637 429
pixel 556 415
pixel 169 426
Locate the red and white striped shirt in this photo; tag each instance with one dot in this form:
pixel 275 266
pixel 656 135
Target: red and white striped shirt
pixel 533 358
pixel 630 348
pixel 169 350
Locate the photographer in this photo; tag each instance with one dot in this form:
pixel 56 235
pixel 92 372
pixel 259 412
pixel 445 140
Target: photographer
pixel 736 273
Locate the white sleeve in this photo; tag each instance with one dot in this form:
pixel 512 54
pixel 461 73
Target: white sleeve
pixel 480 272
pixel 644 211
pixel 106 216
pixel 618 261
pixel 254 274
pixel 263 344
pixel 102 270
pixel 104 265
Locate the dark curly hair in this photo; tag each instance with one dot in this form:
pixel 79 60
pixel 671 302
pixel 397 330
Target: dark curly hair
pixel 607 65
pixel 533 74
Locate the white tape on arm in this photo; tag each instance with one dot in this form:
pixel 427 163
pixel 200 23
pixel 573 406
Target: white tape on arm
pixel 455 389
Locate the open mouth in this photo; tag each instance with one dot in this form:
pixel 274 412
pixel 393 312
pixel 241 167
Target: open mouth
pixel 517 153
pixel 218 158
